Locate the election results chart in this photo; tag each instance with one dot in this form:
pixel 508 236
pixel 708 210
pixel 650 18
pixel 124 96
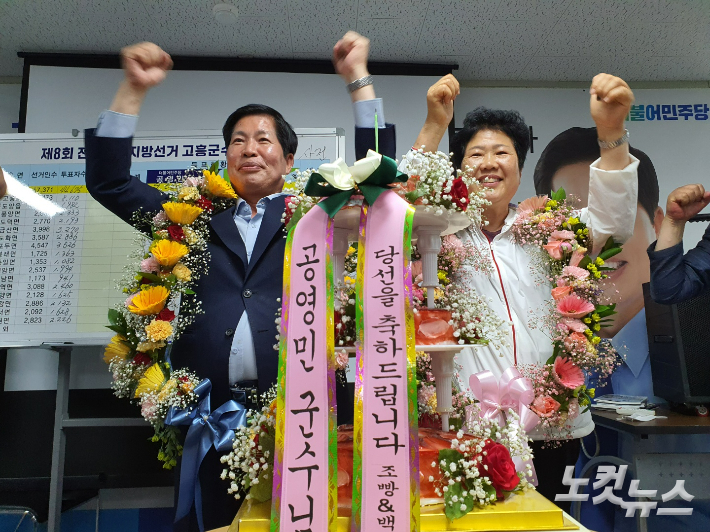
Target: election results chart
pixel 58 275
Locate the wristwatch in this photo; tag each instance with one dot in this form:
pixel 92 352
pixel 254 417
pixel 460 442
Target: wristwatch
pixel 359 83
pixel 604 145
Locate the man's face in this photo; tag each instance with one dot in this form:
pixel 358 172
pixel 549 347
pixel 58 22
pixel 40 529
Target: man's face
pixel 493 154
pixel 623 286
pixel 255 160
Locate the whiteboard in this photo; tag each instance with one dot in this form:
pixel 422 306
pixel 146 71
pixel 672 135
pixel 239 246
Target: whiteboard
pixel 58 275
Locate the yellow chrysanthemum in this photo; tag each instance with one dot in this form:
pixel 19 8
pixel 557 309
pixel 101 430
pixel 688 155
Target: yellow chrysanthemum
pixel 182 272
pixel 181 213
pixel 151 381
pixel 116 349
pixel 189 194
pixel 149 301
pixel 147 347
pixel 168 252
pixel 219 187
pixel 158 330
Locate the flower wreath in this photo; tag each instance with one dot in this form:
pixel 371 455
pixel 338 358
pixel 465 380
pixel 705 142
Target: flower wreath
pixel 578 314
pixel 147 323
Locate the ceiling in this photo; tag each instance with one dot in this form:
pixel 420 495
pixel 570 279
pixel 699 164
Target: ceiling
pixel 507 40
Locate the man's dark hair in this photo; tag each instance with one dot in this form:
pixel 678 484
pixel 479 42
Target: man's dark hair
pixel 284 132
pixel 579 145
pixel 481 118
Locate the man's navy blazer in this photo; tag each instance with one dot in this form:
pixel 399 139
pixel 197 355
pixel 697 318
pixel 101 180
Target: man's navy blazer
pixel 232 284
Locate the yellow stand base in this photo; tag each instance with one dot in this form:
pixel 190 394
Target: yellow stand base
pixel 522 511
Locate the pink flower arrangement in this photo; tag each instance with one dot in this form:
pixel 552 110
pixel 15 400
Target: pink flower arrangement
pixel 554 249
pixel 544 406
pixel 573 306
pixel 576 272
pixel 567 374
pixel 560 292
pixel 560 388
pixel 572 324
pixel 150 265
pixel 533 204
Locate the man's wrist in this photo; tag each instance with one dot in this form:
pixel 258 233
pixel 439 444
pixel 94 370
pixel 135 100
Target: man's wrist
pixel 355 74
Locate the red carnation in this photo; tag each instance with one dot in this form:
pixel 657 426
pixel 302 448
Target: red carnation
pixel 165 315
pixel 141 359
pixel 176 233
pixel 204 203
pixel 145 280
pixel 501 469
pixel 459 193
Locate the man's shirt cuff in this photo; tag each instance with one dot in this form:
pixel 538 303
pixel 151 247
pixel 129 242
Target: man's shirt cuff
pixel 365 113
pixel 116 125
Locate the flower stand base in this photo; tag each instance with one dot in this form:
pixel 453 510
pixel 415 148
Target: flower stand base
pixel 524 511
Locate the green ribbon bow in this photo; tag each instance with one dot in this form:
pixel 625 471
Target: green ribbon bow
pixel 337 183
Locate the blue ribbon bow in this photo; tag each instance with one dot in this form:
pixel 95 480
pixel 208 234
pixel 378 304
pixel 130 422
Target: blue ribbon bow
pixel 206 429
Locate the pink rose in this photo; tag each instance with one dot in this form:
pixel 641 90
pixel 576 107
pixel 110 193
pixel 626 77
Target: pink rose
pixel 575 341
pixel 554 249
pixel 544 406
pixel 574 306
pixel 561 292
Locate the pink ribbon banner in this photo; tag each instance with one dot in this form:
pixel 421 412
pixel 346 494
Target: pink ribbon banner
pixel 305 473
pixel 388 499
pixel 497 396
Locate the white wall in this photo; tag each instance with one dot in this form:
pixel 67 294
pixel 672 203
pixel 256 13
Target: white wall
pixel 189 100
pixel 9 107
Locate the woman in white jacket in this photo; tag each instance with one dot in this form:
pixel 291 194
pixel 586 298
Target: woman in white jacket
pixel 495 143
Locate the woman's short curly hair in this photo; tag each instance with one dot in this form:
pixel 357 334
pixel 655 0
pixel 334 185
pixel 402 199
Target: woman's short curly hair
pixel 482 118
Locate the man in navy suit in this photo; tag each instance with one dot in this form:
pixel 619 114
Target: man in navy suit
pixel 231 343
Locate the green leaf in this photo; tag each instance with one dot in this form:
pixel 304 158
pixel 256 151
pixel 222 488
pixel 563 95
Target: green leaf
pixel 585 262
pixel 555 353
pixel 559 195
pixel 150 277
pixel 413 196
pixel 114 317
pixel 188 291
pixel 490 491
pixel 610 244
pixel 450 455
pixel 263 490
pixel 117 329
pixel 453 509
pixel 214 167
pixel 610 253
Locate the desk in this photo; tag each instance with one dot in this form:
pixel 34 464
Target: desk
pixel 674 424
pixel 659 452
